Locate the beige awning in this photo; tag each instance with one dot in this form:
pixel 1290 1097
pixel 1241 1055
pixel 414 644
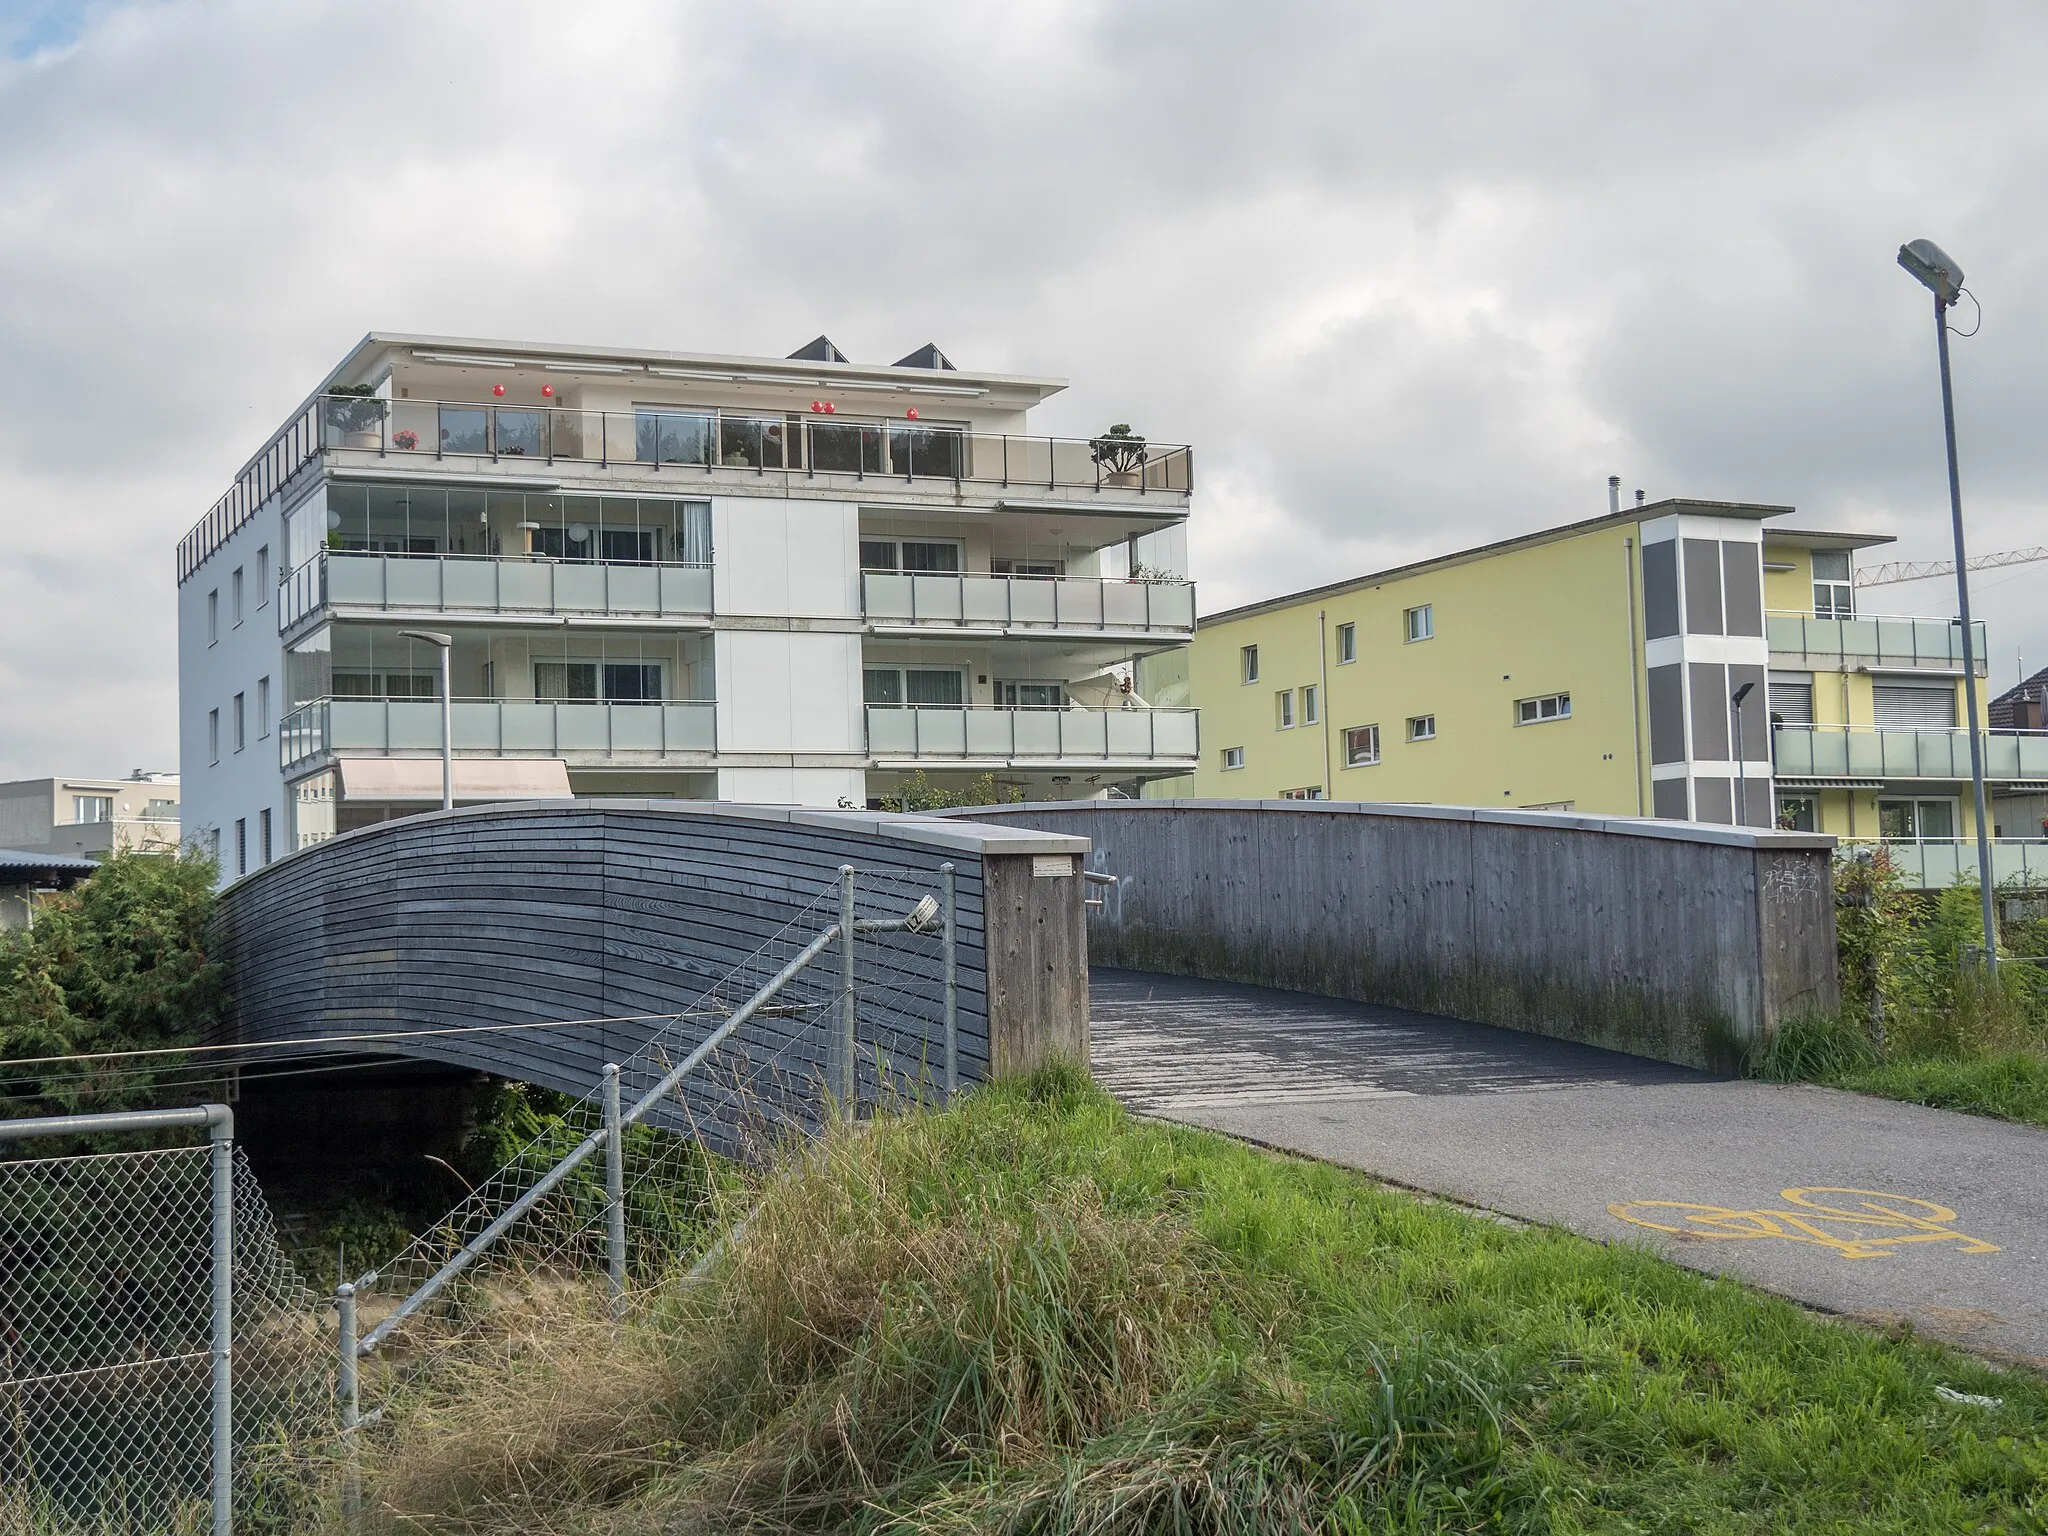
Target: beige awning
pixel 476 778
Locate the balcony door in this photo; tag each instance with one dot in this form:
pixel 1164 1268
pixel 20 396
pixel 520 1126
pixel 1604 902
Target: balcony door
pixel 931 686
pixel 1031 695
pixel 1917 821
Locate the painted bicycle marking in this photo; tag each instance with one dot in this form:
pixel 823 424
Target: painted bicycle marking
pixel 1870 1225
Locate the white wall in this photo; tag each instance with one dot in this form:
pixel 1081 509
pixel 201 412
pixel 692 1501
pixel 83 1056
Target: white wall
pixel 793 786
pixel 242 784
pixel 783 691
pixel 798 559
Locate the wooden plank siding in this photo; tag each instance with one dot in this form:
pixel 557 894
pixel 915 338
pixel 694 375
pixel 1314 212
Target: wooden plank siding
pixel 604 910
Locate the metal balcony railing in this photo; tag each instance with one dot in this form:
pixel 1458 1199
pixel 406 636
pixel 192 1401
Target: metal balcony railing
pixel 1808 640
pixel 487 584
pixel 962 600
pixel 1934 864
pixel 709 439
pixel 982 731
pixel 1870 752
pixel 496 728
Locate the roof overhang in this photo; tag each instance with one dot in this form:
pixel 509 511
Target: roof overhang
pixel 1807 538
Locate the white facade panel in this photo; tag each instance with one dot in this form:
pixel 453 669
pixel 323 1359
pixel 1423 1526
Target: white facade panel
pixel 793 786
pixel 782 691
pixel 795 559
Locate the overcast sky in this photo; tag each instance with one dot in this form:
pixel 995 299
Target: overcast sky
pixel 1409 277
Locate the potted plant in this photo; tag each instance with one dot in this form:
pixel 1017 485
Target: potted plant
pixel 355 412
pixel 1119 455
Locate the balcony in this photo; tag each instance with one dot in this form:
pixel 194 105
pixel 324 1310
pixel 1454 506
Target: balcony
pixel 1804 640
pixel 1028 603
pixel 1865 752
pixel 1940 863
pixel 497 728
pixel 478 584
pixel 992 735
pixel 708 443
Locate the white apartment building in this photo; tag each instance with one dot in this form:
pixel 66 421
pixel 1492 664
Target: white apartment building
pixel 790 580
pixel 90 818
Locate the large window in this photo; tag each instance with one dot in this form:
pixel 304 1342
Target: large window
pixel 671 437
pixel 1917 820
pixel 1797 813
pixel 91 808
pixel 914 685
pixel 431 520
pixel 936 557
pixel 1914 706
pixel 1033 695
pixel 1834 594
pixel 613 682
pixel 1361 746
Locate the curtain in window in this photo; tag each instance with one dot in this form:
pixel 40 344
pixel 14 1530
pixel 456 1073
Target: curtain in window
pixel 694 533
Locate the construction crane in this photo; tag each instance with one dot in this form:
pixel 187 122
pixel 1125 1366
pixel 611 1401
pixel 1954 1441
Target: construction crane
pixel 1920 570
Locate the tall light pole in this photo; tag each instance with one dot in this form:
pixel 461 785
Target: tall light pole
pixel 441 643
pixel 1940 274
pixel 1741 765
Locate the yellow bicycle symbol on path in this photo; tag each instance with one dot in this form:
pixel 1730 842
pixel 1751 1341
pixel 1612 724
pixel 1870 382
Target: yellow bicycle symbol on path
pixel 1861 1224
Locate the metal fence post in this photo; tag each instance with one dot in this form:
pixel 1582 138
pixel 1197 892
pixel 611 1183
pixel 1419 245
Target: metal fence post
pixel 221 1134
pixel 349 1393
pixel 952 1016
pixel 846 1077
pixel 614 1190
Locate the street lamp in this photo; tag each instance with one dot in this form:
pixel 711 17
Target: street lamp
pixel 1939 273
pixel 1741 765
pixel 441 643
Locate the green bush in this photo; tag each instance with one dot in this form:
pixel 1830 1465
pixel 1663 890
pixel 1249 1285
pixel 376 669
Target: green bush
pixel 118 963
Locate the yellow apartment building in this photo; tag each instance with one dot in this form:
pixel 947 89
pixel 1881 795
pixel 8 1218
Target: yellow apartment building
pixel 1683 660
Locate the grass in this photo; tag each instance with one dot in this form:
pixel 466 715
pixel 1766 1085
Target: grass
pixel 1035 1314
pixel 2002 1077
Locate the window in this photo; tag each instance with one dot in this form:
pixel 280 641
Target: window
pixel 1552 706
pixel 1018 695
pixel 659 436
pixel 1002 566
pixel 1248 663
pixel 263 835
pixel 1306 792
pixel 1422 727
pixel 1917 820
pixel 1792 703
pixel 614 682
pixel 213 845
pixel 235 722
pixel 940 686
pixel 1915 706
pixel 262 707
pixel 387 685
pixel 213 616
pixel 1310 704
pixel 1347 643
pixel 1420 622
pixel 235 599
pixel 1283 705
pixel 241 846
pixel 263 576
pixel 1233 757
pixel 213 735
pixel 1833 589
pixel 1796 813
pixel 933 557
pixel 1361 746
pixel 90 808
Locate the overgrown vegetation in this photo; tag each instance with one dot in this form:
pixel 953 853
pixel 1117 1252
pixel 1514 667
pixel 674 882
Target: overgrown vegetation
pixel 1034 1314
pixel 118 963
pixel 1922 1019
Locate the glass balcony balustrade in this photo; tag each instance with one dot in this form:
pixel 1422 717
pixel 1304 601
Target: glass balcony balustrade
pixel 497 728
pixel 1806 640
pixel 954 600
pixel 479 584
pixel 1866 752
pixel 975 732
pixel 1934 864
pixel 712 441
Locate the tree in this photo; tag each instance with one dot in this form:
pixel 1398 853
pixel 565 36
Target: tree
pixel 118 963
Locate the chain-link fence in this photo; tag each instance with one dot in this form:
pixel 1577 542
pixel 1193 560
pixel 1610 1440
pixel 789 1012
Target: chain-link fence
pixel 162 1368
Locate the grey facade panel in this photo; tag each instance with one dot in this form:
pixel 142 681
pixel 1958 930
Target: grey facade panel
pixel 1668 802
pixel 1660 590
pixel 1743 582
pixel 1667 715
pixel 1702 586
pixel 1710 712
pixel 1713 800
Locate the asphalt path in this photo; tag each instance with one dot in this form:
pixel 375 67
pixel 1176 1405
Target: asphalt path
pixel 1879 1210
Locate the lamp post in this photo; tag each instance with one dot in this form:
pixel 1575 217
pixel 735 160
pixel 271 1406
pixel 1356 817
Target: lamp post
pixel 1939 273
pixel 1741 763
pixel 441 643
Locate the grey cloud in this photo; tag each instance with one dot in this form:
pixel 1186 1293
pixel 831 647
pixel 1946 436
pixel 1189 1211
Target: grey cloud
pixel 1408 277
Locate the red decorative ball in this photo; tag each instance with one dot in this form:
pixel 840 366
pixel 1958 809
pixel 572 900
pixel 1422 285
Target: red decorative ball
pixel 911 413
pixel 497 389
pixel 547 391
pixel 830 407
pixel 818 406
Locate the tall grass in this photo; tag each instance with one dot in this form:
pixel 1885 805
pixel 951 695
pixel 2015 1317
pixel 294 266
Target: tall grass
pixel 1032 1314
